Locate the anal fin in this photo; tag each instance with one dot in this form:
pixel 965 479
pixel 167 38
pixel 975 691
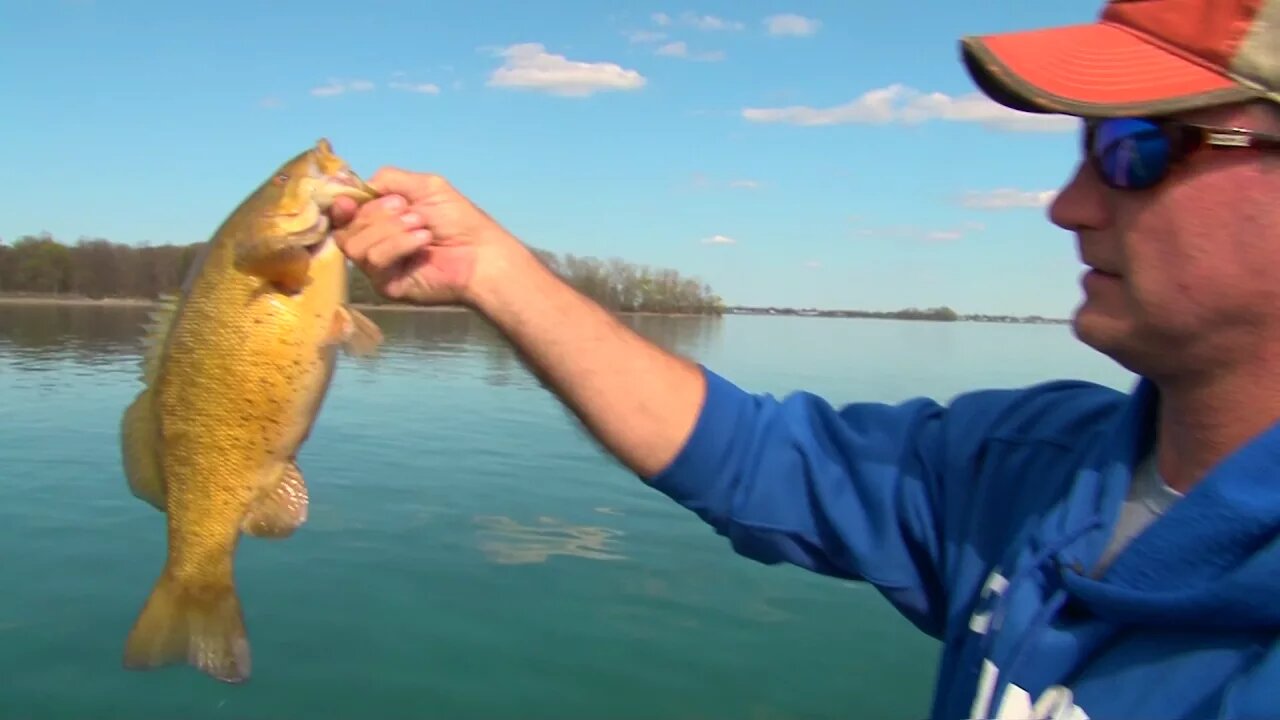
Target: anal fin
pixel 282 510
pixel 358 335
pixel 138 448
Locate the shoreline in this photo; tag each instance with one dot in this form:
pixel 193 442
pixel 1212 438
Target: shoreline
pixel 78 300
pixel 81 301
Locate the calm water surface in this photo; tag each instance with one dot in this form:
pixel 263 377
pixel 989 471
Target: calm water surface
pixel 470 553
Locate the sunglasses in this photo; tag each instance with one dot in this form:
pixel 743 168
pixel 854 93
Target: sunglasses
pixel 1138 153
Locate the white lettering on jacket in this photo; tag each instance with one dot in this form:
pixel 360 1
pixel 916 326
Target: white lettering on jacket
pixel 1055 703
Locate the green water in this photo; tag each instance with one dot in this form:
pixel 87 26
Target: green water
pixel 470 553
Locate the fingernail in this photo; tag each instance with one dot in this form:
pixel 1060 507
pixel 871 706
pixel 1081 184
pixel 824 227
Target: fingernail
pixel 395 202
pixel 421 234
pixel 411 219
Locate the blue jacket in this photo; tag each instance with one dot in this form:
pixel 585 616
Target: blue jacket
pixel 980 521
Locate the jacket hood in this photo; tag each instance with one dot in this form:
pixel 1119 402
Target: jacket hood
pixel 1212 560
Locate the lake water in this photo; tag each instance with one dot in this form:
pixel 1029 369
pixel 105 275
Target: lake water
pixel 470 553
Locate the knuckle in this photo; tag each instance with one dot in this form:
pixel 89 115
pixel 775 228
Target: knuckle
pixel 384 205
pixel 413 185
pixel 355 252
pixel 381 255
pixel 383 174
pixel 390 178
pixel 361 244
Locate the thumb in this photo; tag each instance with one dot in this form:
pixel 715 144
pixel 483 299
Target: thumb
pixel 343 211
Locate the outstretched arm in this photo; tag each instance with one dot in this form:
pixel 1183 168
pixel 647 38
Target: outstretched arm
pixel 426 243
pixel 637 399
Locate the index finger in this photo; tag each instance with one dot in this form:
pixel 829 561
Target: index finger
pixel 344 210
pixel 413 185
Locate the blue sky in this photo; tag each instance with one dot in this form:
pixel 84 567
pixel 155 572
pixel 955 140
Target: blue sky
pixel 826 154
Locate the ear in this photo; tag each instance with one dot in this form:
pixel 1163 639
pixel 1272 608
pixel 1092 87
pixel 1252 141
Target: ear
pixel 1268 113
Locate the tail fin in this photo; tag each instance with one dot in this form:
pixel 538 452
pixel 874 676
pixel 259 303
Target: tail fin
pixel 202 627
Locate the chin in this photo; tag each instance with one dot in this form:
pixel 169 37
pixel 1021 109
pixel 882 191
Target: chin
pixel 1104 332
pixel 1122 340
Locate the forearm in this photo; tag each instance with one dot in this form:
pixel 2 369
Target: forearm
pixel 637 399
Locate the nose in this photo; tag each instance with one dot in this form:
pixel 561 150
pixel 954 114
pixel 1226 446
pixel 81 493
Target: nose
pixel 1082 203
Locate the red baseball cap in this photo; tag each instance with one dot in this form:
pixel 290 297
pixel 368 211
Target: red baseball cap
pixel 1141 57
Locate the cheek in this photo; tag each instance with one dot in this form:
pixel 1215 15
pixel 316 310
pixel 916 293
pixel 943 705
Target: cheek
pixel 1163 262
pixel 1204 260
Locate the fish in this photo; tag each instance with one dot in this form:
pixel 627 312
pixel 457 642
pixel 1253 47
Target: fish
pixel 235 367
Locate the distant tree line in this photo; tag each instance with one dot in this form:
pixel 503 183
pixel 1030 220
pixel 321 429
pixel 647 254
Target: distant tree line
pixel 96 268
pixel 937 314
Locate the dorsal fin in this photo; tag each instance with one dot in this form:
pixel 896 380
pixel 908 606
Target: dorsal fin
pixel 157 333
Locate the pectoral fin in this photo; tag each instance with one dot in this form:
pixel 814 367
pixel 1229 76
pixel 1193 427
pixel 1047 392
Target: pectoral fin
pixel 282 510
pixel 138 446
pixel 358 335
pixel 286 267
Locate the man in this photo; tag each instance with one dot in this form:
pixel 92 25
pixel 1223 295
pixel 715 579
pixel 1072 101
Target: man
pixel 1081 553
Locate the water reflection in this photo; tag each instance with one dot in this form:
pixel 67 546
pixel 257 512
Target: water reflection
pixel 508 542
pixel 45 336
pixel 81 333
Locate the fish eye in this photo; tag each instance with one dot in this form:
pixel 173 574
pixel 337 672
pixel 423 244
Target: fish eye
pixel 280 179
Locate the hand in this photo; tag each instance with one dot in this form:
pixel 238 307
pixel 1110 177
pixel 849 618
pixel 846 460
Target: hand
pixel 421 242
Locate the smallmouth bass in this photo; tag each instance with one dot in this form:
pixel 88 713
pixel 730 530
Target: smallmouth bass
pixel 235 370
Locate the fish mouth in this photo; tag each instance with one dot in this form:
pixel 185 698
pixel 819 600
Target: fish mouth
pixel 345 183
pixel 313 249
pixel 320 230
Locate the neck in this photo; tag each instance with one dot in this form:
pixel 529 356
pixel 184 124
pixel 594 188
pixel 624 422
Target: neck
pixel 1200 423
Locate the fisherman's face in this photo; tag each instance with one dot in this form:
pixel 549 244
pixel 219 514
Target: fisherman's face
pixel 1187 274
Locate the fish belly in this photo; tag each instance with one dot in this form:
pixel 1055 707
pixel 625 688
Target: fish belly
pixel 237 407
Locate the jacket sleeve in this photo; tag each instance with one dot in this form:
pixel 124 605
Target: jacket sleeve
pixel 854 492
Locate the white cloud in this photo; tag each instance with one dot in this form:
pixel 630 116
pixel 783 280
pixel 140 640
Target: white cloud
pixel 790 24
pixel 1007 198
pixel 529 66
pixel 694 20
pixel 745 184
pixel 400 81
pixel 709 22
pixel 413 87
pixel 812 264
pixel 335 87
pixel 900 104
pixel 719 240
pixel 340 87
pixel 646 36
pixel 680 49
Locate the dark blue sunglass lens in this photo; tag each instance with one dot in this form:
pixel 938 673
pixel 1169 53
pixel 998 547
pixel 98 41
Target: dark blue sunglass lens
pixel 1130 152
